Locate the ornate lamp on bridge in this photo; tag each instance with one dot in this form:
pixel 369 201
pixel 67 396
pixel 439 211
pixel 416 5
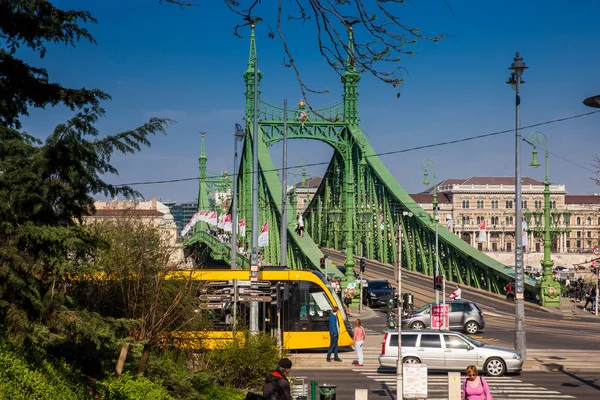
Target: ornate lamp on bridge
pixel 549 289
pixel 428 165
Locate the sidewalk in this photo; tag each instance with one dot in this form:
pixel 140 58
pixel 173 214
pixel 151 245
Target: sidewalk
pixel 570 308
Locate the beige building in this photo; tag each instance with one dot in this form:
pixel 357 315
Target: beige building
pixel 150 212
pixel 464 204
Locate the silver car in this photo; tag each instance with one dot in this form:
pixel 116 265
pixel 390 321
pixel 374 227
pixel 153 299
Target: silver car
pixel 463 315
pixel 445 350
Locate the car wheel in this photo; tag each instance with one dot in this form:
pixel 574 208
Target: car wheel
pixel 411 360
pixel 494 367
pixel 471 327
pixel 417 325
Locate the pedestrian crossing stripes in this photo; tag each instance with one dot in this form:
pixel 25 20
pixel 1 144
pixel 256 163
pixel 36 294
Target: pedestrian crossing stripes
pixel 502 388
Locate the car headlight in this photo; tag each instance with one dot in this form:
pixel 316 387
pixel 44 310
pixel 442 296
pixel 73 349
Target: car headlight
pixel 516 356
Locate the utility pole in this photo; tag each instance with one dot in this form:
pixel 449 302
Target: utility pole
pixel 254 256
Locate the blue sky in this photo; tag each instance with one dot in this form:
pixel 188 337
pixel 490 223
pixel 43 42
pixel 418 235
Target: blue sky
pixel 185 63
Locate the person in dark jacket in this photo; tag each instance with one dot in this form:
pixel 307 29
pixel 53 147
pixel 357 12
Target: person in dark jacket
pixel 277 387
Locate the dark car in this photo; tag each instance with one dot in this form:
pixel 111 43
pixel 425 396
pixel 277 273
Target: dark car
pixel 377 292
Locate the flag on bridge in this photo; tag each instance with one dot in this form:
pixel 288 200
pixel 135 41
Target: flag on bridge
pixel 482 238
pixel 227 223
pixel 242 227
pixel 524 234
pixel 263 237
pixel 212 219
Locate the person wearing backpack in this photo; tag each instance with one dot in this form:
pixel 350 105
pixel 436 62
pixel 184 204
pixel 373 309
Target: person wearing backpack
pixel 475 387
pixel 277 386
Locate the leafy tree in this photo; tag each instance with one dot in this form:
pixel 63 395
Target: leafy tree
pixel 133 282
pixel 46 187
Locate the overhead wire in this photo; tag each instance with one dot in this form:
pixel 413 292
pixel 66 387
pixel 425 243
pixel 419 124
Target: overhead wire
pixel 427 146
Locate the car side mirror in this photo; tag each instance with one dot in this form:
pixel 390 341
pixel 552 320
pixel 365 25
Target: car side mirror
pixel 470 348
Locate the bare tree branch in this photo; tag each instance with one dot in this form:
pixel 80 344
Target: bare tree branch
pixel 382 39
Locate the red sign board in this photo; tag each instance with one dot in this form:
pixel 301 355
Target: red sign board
pixel 440 317
pixel 596 250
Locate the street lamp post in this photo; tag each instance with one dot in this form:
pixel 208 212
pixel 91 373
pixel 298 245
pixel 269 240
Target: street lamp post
pixel 517 67
pixel 428 165
pixel 549 289
pixel 399 378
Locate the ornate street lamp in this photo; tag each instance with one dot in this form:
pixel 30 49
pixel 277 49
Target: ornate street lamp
pixel 517 67
pixel 549 289
pixel 428 165
pixel 593 101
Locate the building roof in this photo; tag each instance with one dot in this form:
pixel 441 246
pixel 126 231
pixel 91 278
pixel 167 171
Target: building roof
pixel 111 212
pixel 313 182
pixel 582 199
pixel 499 180
pixel 426 198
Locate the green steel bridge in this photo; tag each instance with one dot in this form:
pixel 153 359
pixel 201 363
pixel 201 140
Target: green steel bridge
pixel 359 206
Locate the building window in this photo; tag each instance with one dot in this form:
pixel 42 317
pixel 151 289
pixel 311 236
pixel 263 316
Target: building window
pixel 523 203
pixel 598 220
pixel 465 204
pixel 495 220
pixel 509 203
pixel 568 234
pixel 578 244
pixel 480 219
pixel 537 204
pixel 466 220
pixel 568 244
pixel 589 221
pixel 479 203
pixel 494 203
pixel 589 234
pixel 578 234
pixel 578 220
pixel 509 220
pixel 553 204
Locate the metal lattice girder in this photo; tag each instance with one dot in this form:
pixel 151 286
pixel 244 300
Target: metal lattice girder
pixel 356 182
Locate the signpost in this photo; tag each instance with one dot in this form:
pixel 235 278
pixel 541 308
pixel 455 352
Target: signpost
pixel 210 306
pixel 415 381
pixel 596 250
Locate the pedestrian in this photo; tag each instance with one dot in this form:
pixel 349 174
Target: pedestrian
pixel 347 301
pixel 579 290
pixel 590 297
pixel 359 341
pixel 457 294
pixel 334 333
pixel 300 224
pixel 475 387
pixel 277 386
pixel 228 317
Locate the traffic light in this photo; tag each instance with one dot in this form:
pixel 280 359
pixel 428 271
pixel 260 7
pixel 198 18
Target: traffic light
pixel 322 262
pixel 362 265
pixel 437 282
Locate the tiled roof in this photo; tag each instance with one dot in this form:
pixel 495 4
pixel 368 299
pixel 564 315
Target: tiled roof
pixel 581 199
pixel 313 182
pixel 426 198
pixel 111 212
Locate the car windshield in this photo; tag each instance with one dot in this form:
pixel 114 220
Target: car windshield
pixel 472 341
pixel 423 309
pixel 378 285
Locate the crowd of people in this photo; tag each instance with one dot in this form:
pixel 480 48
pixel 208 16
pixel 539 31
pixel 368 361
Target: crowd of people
pixel 581 291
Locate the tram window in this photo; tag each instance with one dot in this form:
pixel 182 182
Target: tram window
pixel 308 305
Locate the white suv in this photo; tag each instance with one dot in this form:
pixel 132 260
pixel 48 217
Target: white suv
pixel 445 350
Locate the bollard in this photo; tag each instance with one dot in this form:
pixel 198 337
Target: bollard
pixel 454 386
pixel 313 390
pixel 327 391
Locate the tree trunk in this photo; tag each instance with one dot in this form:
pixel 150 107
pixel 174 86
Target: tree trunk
pixel 144 359
pixel 122 357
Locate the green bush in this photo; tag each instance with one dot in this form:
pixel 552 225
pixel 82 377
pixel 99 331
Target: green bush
pixel 127 387
pixel 37 379
pixel 247 366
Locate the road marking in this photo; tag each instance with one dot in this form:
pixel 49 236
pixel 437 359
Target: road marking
pixel 502 388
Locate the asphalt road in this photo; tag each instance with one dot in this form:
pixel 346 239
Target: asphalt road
pixel 545 330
